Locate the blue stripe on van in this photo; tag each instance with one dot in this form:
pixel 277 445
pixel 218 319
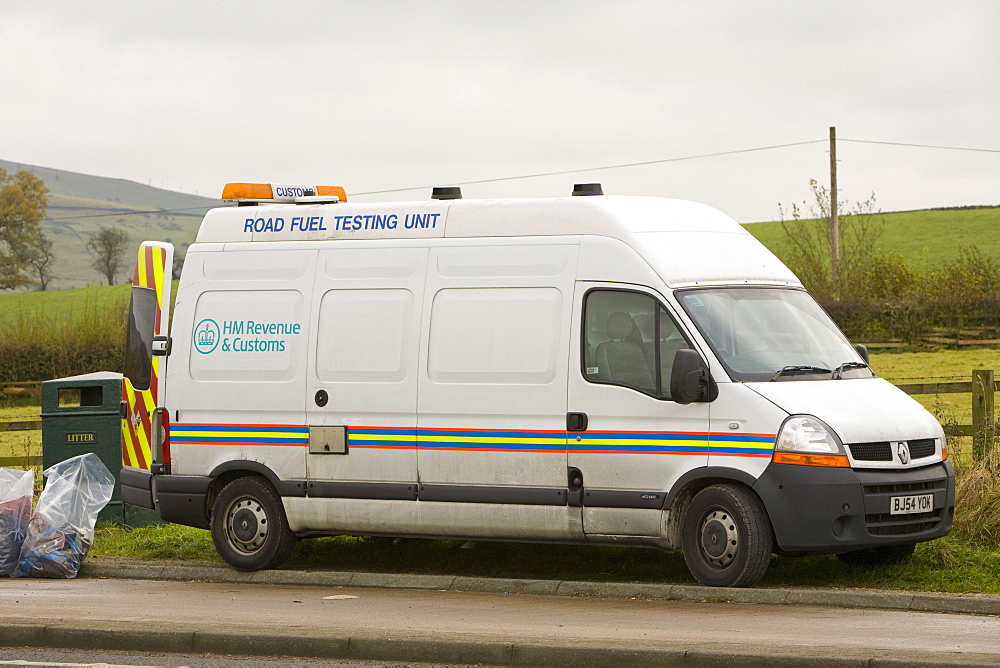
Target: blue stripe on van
pixel 722 444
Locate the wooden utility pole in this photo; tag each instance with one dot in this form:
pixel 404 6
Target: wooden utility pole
pixel 983 420
pixel 834 220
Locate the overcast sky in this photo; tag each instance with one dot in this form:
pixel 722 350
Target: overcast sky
pixel 378 95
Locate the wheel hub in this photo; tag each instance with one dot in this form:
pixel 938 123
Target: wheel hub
pixel 719 538
pixel 246 525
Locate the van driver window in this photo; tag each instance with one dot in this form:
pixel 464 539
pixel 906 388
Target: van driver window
pixel 629 340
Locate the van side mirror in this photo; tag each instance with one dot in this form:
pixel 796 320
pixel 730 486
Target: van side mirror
pixel 863 351
pixel 690 380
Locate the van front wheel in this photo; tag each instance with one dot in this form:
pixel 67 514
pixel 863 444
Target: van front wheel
pixel 727 538
pixel 249 527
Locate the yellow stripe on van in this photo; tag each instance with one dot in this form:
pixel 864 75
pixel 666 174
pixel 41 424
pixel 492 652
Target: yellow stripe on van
pixel 221 433
pixel 660 443
pixel 158 258
pixel 140 267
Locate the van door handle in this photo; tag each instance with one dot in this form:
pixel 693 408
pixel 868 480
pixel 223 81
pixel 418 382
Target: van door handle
pixel 576 422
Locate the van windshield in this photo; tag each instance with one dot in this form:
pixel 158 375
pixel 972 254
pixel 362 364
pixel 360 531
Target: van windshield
pixel 763 334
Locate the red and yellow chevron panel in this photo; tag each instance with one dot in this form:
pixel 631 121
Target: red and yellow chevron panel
pixel 150 272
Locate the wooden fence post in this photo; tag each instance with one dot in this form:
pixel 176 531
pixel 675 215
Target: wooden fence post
pixel 983 420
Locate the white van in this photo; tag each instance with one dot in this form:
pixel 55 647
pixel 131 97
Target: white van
pixel 617 370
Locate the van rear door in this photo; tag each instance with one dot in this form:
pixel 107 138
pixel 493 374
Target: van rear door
pixel 145 424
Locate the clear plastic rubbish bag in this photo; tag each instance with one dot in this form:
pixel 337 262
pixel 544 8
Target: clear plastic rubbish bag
pixel 16 490
pixel 62 529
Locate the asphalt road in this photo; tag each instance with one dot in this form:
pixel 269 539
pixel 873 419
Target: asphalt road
pixel 474 627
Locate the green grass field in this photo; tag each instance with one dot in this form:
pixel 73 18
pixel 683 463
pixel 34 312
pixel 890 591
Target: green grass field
pixel 60 305
pixel 924 238
pixel 940 366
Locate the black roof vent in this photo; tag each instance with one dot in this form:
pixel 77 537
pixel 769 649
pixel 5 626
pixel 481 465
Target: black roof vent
pixel 446 192
pixel 582 189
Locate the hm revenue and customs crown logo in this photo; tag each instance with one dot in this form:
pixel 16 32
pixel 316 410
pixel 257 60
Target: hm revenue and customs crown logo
pixel 206 336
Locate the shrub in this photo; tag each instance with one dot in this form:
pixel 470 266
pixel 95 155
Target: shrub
pixel 90 337
pixel 977 491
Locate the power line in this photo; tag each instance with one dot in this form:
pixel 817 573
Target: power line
pixel 128 212
pixel 897 143
pixel 597 169
pixel 567 171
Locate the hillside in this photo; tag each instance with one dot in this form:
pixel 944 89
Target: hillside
pixel 79 204
pixel 931 236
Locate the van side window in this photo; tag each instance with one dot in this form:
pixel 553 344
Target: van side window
pixel 630 340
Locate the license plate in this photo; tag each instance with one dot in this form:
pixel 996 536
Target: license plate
pixel 916 503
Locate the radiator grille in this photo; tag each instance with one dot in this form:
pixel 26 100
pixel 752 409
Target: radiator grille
pixel 881 451
pixel 902 525
pixel 871 452
pixel 921 448
pixel 886 524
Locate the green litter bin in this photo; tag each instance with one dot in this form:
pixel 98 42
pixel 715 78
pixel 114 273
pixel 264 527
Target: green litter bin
pixel 79 415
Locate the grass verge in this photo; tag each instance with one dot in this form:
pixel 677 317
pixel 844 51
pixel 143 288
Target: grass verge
pixel 945 565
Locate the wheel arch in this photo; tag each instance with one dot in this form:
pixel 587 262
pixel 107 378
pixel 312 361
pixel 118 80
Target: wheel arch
pixel 226 472
pixel 679 497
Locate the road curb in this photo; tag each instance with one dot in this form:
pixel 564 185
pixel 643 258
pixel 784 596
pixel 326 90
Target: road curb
pixel 463 650
pixel 844 598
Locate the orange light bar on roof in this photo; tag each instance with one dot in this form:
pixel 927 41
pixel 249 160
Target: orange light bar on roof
pixel 266 192
pixel 237 192
pixel 332 191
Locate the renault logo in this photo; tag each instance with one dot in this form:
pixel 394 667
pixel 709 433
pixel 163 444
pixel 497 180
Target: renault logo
pixel 903 450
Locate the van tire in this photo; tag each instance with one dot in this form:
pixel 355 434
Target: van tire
pixel 249 527
pixel 886 555
pixel 727 537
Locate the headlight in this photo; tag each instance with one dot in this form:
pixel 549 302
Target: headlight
pixel 807 434
pixel 806 440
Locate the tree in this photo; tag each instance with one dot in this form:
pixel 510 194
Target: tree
pixel 961 288
pixel 809 246
pixel 41 258
pixel 23 200
pixel 175 272
pixel 108 247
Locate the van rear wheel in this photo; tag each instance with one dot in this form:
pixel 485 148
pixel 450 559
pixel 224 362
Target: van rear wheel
pixel 727 537
pixel 249 527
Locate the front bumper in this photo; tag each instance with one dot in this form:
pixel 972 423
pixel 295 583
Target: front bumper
pixel 818 509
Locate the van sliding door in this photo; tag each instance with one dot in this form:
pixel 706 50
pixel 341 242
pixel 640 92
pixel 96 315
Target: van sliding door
pixel 361 388
pixel 492 399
